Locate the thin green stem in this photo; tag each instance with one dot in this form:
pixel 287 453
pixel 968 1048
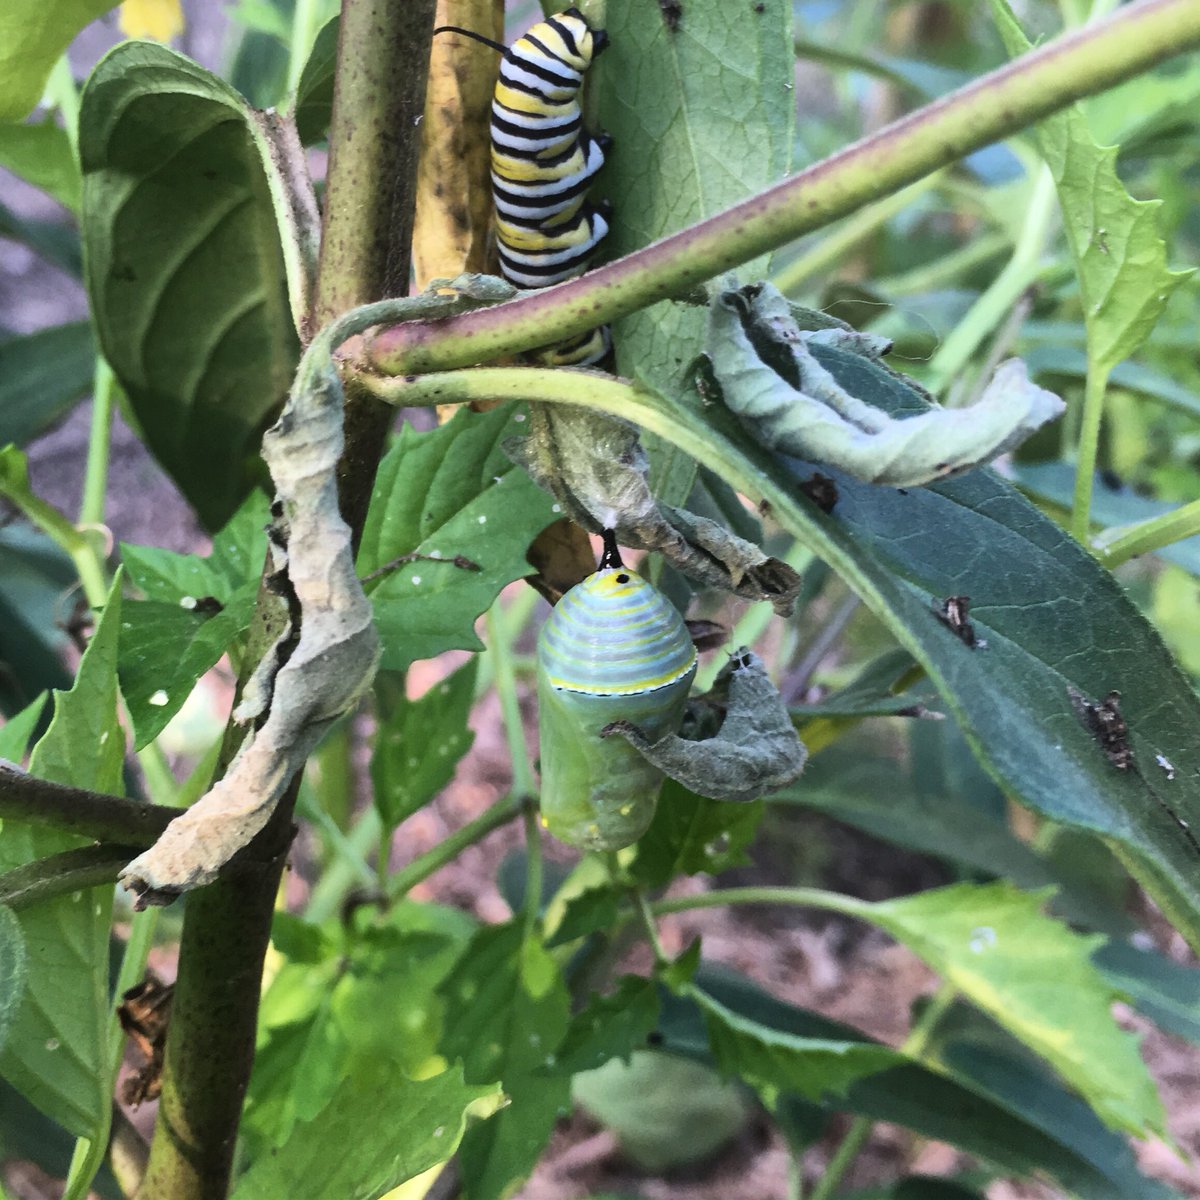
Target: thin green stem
pixel 449 848
pixel 1008 99
pixel 1116 546
pixel 500 653
pixel 914 1046
pixel 646 917
pixel 347 868
pixel 64 95
pixel 952 266
pixel 95 480
pixel 989 311
pixel 800 897
pixel 844 238
pixel 1089 445
pixel 533 870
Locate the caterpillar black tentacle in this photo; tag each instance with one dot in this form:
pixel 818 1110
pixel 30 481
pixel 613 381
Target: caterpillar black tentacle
pixel 543 162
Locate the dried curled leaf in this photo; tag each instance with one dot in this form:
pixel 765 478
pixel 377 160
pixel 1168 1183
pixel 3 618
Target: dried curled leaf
pixel 770 377
pixel 595 467
pixel 328 669
pixel 754 752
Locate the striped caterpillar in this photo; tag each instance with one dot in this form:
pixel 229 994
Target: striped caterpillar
pixel 542 163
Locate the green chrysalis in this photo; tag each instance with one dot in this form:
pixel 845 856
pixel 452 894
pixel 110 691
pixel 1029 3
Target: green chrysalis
pixel 613 649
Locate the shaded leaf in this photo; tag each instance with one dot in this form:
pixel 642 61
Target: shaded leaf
pixel 57 1052
pixel 185 269
pixel 419 743
pixel 609 1027
pixel 448 494
pixel 33 33
pixel 314 93
pixel 58 244
pixel 41 154
pixel 42 376
pixel 1165 991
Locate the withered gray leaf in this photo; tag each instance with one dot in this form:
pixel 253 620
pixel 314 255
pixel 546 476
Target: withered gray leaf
pixel 595 467
pixel 762 360
pixel 756 750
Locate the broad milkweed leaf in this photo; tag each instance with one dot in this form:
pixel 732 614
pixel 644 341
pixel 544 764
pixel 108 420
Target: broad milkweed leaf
pixel 419 743
pixel 762 358
pixel 1034 977
pixel 397 1126
pixel 185 266
pixel 1120 259
pixel 449 523
pixel 58 1045
pixel 1052 618
pixel 679 155
pixel 33 34
pixel 42 377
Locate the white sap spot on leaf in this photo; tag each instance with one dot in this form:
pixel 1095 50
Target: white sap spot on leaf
pixel 412 762
pixel 104 737
pixel 556 508
pixel 444 689
pixel 52 1043
pixel 159 698
pixel 983 937
pixel 1166 765
pixel 416 580
pixel 483 519
pixel 439 1131
pixel 188 602
pixel 519 417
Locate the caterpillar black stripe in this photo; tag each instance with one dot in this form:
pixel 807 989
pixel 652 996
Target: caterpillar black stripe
pixel 542 163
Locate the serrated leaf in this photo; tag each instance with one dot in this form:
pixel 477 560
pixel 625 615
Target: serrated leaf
pixel 185 268
pixel 42 376
pixel 1035 978
pixel 419 744
pixel 589 912
pixel 610 1026
pixel 447 493
pixel 396 1127
pixel 1120 258
pixel 57 1048
pixel 507 1011
pixel 690 834
pixel 18 729
pixel 680 154
pixel 33 33
pixel 41 154
pixel 773 1061
pixel 12 970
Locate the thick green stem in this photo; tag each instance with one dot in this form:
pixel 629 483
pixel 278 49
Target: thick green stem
pixel 379 95
pixel 95 480
pixel 1078 64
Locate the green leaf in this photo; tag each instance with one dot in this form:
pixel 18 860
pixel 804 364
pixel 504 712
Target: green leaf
pixel 1165 991
pixel 1119 256
pixel 418 745
pixel 773 1061
pixel 701 117
pixel 58 244
pixel 589 912
pixel 507 1012
pixel 1052 618
pixel 690 835
pixel 12 970
pixel 612 1026
pixel 185 268
pixel 1035 977
pixel 165 648
pixel 42 376
pixel 314 92
pixel 17 730
pixel 57 1048
pixel 444 494
pixel 41 154
pixel 32 36
pixel 379 1129
pixel 872 692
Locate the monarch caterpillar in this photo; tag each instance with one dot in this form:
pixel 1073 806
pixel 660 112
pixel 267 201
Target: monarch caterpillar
pixel 542 163
pixel 613 649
